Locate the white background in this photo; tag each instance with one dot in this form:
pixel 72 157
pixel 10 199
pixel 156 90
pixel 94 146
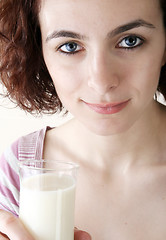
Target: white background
pixel 15 122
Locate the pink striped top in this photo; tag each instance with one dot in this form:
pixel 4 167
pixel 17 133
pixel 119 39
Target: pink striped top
pixel 26 147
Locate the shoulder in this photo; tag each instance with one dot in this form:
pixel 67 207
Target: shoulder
pixel 31 145
pixel 27 146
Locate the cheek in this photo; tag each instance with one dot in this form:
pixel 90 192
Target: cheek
pixel 65 78
pixel 144 75
pixel 66 81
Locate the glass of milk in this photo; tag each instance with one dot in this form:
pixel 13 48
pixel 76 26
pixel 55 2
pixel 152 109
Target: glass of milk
pixel 47 198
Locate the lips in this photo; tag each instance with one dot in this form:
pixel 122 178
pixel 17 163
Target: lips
pixel 107 108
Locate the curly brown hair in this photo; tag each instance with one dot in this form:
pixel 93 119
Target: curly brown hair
pixel 22 68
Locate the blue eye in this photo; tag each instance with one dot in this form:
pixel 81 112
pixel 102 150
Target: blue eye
pixel 70 48
pixel 131 42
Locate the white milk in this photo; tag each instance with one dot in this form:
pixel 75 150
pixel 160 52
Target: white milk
pixel 47 206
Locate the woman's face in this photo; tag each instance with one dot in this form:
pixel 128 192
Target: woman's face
pixel 104 58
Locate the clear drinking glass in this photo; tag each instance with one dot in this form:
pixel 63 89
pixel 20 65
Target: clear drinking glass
pixel 47 198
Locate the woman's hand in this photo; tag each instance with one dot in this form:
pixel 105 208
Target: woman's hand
pixel 12 228
pixel 81 235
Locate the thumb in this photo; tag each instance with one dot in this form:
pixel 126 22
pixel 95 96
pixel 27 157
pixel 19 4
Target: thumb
pixel 81 235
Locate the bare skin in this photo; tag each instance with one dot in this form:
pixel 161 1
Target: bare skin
pixel 122 196
pixel 121 148
pixel 12 228
pixel 121 152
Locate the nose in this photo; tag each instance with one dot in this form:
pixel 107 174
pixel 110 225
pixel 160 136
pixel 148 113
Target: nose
pixel 103 75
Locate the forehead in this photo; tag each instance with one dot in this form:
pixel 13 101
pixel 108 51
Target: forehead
pixel 111 4
pixel 92 13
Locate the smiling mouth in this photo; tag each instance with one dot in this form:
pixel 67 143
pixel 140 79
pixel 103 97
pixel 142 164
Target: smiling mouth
pixel 107 108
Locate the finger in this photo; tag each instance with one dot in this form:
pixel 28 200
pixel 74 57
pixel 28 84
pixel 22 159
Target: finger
pixel 81 235
pixel 12 227
pixel 3 237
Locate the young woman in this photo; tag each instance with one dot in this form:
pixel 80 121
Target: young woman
pixel 103 61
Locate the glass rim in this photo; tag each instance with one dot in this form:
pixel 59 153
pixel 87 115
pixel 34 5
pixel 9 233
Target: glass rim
pixel 66 165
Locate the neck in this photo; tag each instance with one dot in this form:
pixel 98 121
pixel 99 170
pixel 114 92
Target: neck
pixel 127 146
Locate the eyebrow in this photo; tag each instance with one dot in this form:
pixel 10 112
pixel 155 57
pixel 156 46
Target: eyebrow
pixel 135 24
pixel 67 34
pixel 126 27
